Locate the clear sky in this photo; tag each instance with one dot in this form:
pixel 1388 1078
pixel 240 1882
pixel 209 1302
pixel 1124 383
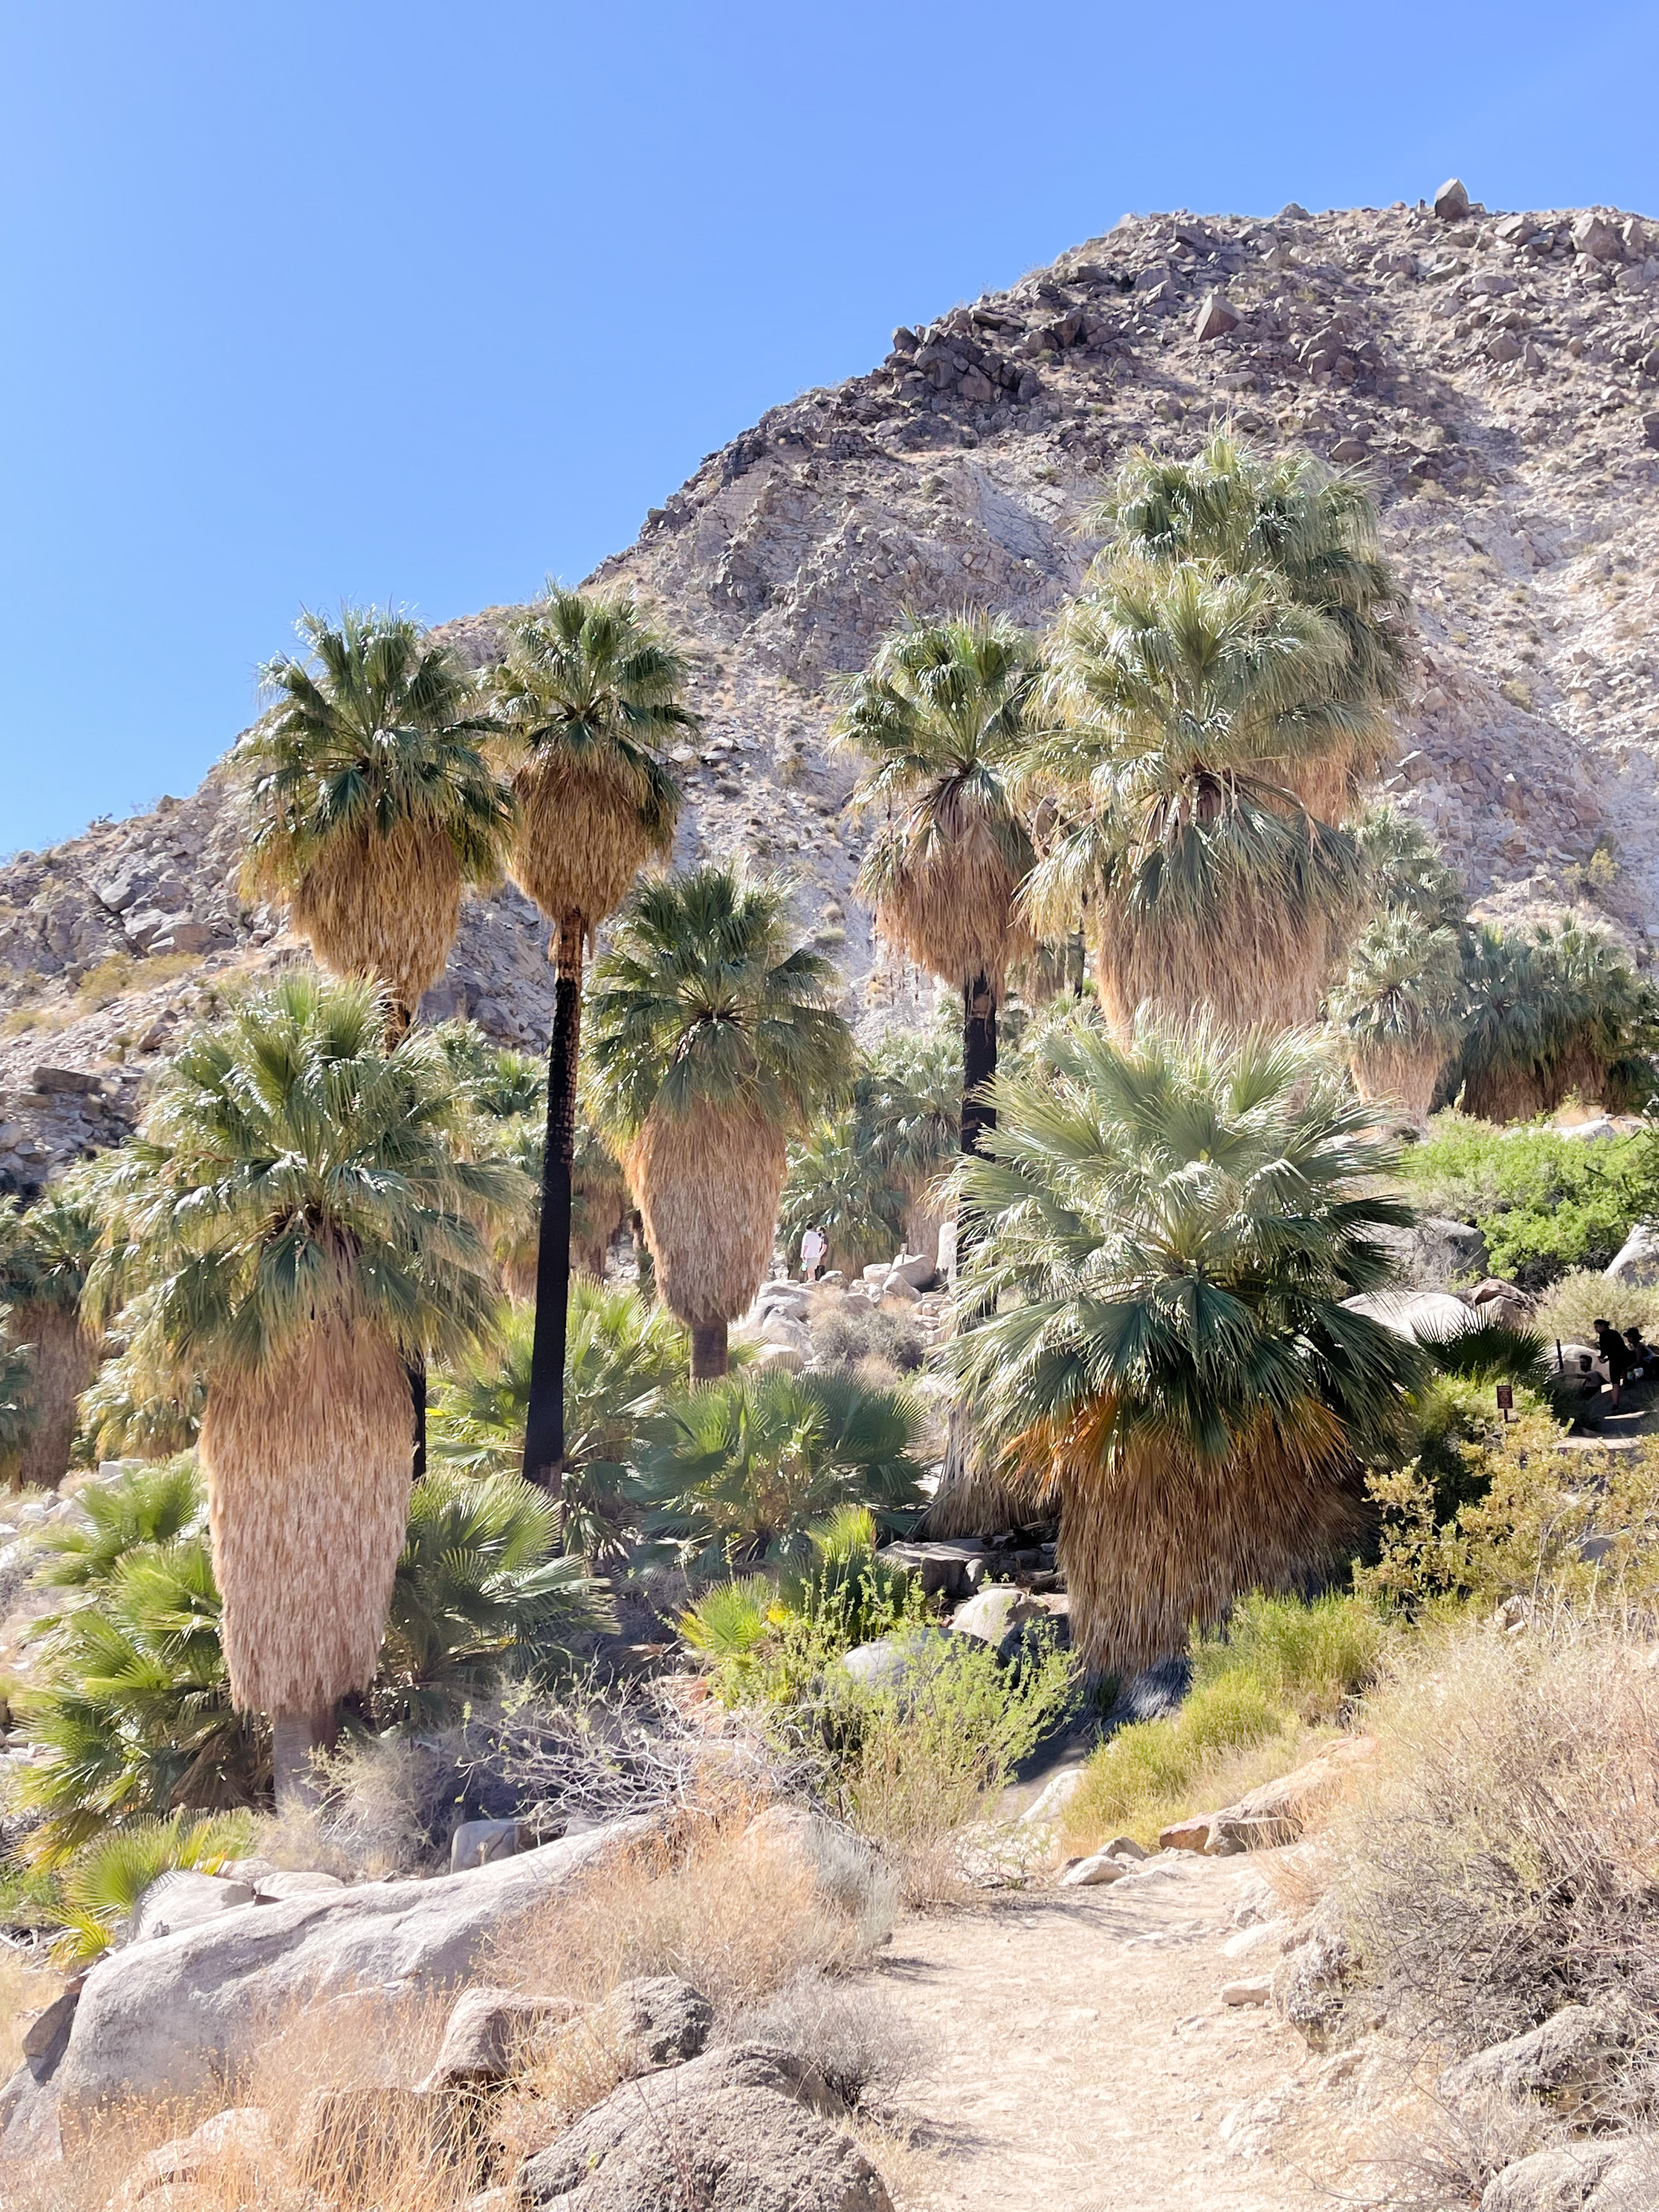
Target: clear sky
pixel 422 302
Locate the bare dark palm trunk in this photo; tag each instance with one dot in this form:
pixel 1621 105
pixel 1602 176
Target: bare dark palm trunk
pixel 970 1500
pixel 415 1371
pixel 642 1259
pixel 544 1435
pixel 708 1351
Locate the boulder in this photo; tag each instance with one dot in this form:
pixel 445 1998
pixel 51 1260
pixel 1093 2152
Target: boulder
pixel 184 1898
pixel 1610 2176
pixel 1216 316
pixel 884 1664
pixel 656 2020
pixel 1089 1874
pixel 950 1567
pixel 1637 1260
pixel 1594 235
pixel 167 2017
pixel 918 1271
pixel 1435 1252
pixel 998 1615
pixel 481 1843
pixel 742 2129
pixel 296 1881
pixel 1051 1800
pixel 1275 1812
pixel 775 1359
pixel 488 2033
pixel 1420 1316
pixel 1451 202
pixel 1256 1990
pixel 1575 2050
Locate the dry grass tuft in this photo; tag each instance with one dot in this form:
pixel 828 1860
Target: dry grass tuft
pixel 1500 1862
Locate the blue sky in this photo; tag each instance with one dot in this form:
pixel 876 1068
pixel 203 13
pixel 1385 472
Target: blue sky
pixel 423 303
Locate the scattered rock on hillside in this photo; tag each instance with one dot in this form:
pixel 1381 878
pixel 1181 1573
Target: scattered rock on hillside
pixel 1275 1812
pixel 1614 2175
pixel 1637 1260
pixel 1574 2051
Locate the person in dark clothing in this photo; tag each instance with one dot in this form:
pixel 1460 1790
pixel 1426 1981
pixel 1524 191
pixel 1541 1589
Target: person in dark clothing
pixel 1641 1354
pixel 1613 1349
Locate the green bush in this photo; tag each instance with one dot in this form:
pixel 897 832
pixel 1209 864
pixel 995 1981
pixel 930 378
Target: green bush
pixel 1545 1203
pixel 1281 1667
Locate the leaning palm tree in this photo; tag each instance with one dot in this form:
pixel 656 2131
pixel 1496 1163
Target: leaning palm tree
pixel 940 716
pixel 45 1254
pixel 585 697
pixel 1250 512
pixel 371 805
pixel 1177 699
pixel 713 1044
pixel 297 1211
pixel 1396 1012
pixel 1172 1227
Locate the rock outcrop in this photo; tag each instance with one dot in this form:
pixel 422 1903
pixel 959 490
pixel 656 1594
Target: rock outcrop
pixel 1495 378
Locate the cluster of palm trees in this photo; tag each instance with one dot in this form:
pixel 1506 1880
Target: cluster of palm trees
pixel 1159 1211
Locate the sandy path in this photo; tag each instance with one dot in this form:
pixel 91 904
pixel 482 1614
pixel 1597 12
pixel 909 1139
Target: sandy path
pixel 1081 2060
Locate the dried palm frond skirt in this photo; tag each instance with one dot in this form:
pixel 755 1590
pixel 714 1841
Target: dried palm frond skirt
pixel 1404 1073
pixel 1153 1541
pixel 65 1359
pixel 307 1470
pixel 708 1188
pixel 386 907
pixel 579 844
pixel 1250 964
pixel 952 909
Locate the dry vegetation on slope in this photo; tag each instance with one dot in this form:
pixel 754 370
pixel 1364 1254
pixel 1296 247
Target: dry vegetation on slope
pixel 1496 378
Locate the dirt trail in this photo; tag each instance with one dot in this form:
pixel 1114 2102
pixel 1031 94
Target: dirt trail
pixel 1081 2059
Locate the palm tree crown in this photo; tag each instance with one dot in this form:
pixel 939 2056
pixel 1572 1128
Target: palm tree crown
pixel 587 689
pixel 1172 1226
pixel 940 716
pixel 372 803
pixel 1287 514
pixel 1178 696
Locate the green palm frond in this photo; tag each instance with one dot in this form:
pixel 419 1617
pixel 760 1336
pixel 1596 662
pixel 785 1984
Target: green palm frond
pixel 703 1001
pixel 102 1885
pixel 738 1472
pixel 1172 1227
pixel 377 727
pixel 1401 987
pixel 292 1167
pixel 46 1251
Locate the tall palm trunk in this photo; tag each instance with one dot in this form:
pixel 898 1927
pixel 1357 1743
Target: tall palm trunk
pixel 709 1356
pixel 970 1500
pixel 399 1020
pixel 293 1737
pixel 544 1435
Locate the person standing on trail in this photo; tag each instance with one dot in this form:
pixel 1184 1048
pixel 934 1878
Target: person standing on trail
pixel 813 1246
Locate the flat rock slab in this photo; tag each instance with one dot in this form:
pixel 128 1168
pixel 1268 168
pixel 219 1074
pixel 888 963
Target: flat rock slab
pixel 165 2018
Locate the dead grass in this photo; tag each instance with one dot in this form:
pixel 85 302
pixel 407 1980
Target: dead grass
pixel 700 1901
pixel 1500 1861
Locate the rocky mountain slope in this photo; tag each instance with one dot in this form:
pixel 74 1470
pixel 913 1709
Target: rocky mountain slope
pixel 1495 377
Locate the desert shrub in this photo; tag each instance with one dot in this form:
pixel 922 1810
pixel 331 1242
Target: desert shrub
pixel 846 1339
pixel 1499 1863
pixel 854 2035
pixel 909 1764
pixel 1539 1524
pixel 771 1638
pixel 702 1898
pixel 1570 1311
pixel 736 1473
pixel 1308 1658
pixel 1546 1204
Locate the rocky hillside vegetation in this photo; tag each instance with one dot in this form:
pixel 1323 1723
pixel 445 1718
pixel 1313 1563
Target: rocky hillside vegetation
pixel 1494 377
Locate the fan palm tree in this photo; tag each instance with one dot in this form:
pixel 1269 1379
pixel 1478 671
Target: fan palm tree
pixel 940 716
pixel 623 1353
pixel 45 1255
pixel 908 1096
pixel 1403 870
pixel 1396 1011
pixel 588 693
pixel 297 1208
pixel 1287 514
pixel 713 1044
pixel 740 1473
pixel 836 1182
pixel 372 806
pixel 16 1417
pixel 1177 697
pixel 1172 1225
